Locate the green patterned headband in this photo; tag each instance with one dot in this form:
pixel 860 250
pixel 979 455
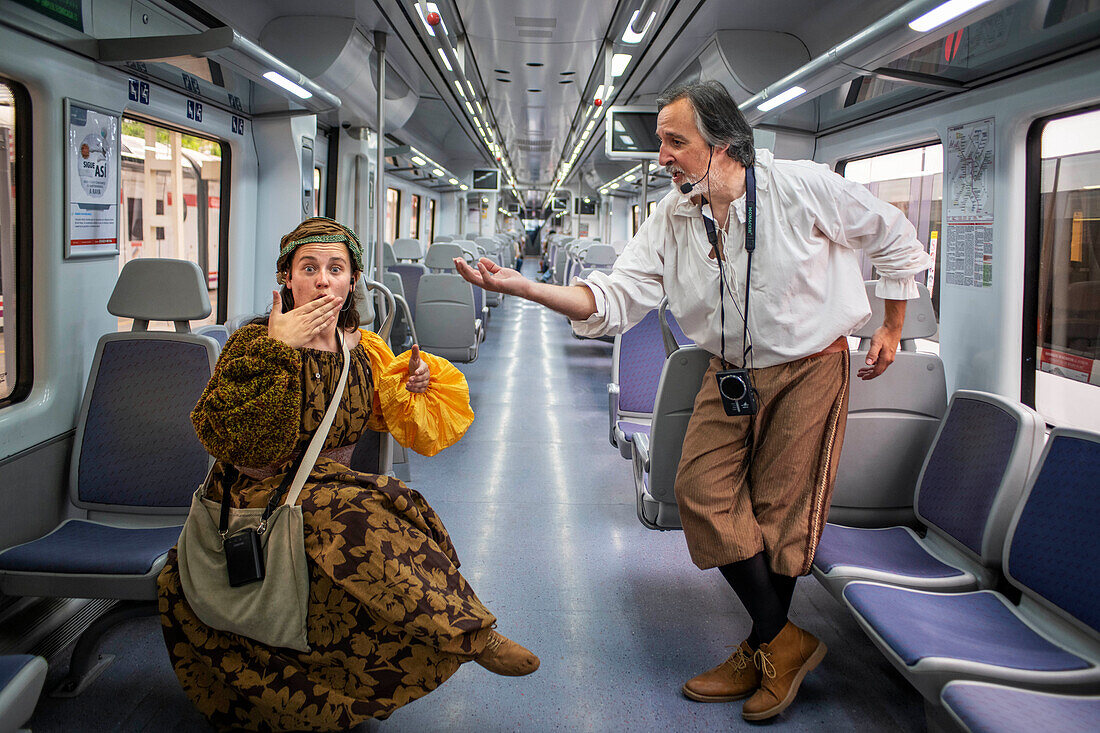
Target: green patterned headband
pixel 321 230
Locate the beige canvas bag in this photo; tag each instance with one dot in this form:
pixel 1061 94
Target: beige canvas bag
pixel 273 610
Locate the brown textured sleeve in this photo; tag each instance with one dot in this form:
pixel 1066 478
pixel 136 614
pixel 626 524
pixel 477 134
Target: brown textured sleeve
pixel 250 411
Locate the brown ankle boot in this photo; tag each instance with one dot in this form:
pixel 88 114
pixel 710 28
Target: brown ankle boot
pixel 783 663
pixel 503 656
pixel 733 679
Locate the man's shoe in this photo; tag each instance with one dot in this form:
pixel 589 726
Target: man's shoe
pixel 783 663
pixel 503 656
pixel 733 679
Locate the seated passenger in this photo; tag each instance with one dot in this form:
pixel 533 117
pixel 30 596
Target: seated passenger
pixel 390 617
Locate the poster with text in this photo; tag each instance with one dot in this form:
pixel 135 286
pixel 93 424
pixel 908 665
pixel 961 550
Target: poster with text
pixel 92 161
pixel 967 258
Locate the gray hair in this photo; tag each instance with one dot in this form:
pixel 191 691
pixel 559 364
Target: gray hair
pixel 719 120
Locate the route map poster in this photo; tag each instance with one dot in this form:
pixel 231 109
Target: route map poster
pixel 968 239
pixel 91 181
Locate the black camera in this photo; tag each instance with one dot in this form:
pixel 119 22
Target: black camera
pixel 737 393
pixel 244 557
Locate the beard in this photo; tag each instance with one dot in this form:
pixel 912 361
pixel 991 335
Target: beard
pixel 701 187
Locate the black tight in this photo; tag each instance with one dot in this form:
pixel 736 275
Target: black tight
pixel 765 595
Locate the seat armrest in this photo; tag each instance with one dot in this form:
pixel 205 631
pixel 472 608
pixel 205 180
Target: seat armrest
pixel 640 444
pixel 612 410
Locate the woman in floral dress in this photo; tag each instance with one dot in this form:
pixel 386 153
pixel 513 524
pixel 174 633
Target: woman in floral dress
pixel 390 617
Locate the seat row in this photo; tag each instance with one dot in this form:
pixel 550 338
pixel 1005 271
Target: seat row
pixel 990 607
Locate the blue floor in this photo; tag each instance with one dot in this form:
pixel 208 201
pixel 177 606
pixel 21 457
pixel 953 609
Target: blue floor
pixel 541 510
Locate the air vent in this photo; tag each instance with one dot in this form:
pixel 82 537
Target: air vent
pixel 534 145
pixel 527 21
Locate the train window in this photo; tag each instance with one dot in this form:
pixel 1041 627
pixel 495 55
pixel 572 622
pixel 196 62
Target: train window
pixel 172 186
pixel 634 223
pixel 649 209
pixel 1067 363
pixel 911 180
pixel 15 347
pixel 393 207
pixel 431 220
pixel 414 218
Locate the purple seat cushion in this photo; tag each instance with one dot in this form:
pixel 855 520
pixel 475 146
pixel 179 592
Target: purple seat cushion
pixel 629 428
pixel 975 627
pixel 987 709
pixel 890 550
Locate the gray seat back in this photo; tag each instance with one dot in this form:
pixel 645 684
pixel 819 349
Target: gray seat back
pixel 410 273
pixel 681 378
pixel 976 471
pixel 441 255
pixel 135 450
pixel 446 317
pixel 407 249
pixel 444 238
pixel 895 414
pixel 599 255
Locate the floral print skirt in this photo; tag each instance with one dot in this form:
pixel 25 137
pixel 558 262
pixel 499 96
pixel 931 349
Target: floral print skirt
pixel 390 617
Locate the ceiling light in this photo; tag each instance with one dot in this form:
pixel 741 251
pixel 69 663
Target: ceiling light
pixel 452 181
pixel 618 63
pixel 480 110
pixel 470 84
pixel 437 172
pixel 629 35
pixel 461 91
pixel 470 109
pixel 599 93
pixel 603 191
pixel 287 84
pixel 445 61
pixel 587 200
pixel 948 11
pixel 629 177
pixel 463 186
pixel 418 160
pixel 781 99
pixel 613 185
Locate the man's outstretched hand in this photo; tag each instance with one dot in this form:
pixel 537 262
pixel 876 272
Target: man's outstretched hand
pixel 490 276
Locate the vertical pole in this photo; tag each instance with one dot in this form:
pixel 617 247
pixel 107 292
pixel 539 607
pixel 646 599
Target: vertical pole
pixel 380 187
pixel 645 190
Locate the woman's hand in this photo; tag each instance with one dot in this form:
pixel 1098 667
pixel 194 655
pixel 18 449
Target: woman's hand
pixel 302 324
pixel 419 374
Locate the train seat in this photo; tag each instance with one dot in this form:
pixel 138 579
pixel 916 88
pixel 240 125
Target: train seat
pixel 21 680
pixel 969 486
pixel 896 414
pixel 978 706
pixel 446 315
pixel 403 335
pixel 407 249
pixel 135 462
pixel 443 238
pixel 1050 639
pixel 410 274
pixel 636 362
pixel 441 261
pixel 496 252
pixel 217 331
pixel 656 454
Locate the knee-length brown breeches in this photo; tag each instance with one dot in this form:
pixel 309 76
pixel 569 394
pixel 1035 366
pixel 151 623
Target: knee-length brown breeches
pixel 737 496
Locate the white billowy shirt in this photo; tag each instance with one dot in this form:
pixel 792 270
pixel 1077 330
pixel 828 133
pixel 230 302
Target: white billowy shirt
pixel 807 286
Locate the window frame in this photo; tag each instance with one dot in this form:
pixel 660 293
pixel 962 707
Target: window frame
pixel 396 213
pixel 415 201
pixel 223 202
pixel 431 220
pixel 24 245
pixel 1033 247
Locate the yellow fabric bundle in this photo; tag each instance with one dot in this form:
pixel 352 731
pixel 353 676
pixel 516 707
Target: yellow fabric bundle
pixel 426 422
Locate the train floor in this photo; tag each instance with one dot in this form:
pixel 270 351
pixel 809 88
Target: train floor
pixel 541 511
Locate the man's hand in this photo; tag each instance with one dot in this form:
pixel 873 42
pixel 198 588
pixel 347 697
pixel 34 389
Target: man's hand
pixel 884 341
pixel 491 276
pixel 419 374
pixel 301 325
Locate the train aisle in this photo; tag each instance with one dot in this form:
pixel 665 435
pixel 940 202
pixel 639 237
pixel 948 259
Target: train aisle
pixel 541 511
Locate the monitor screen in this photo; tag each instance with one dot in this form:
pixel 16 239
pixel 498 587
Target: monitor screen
pixel 584 207
pixel 561 204
pixel 486 180
pixel 631 133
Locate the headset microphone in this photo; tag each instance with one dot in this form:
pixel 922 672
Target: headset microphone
pixel 687 186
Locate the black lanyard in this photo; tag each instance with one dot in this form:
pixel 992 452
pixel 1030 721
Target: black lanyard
pixel 750 247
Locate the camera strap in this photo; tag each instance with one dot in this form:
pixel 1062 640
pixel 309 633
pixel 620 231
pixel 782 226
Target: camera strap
pixel 750 247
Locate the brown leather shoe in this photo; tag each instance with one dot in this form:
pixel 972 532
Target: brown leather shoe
pixel 503 656
pixel 783 663
pixel 733 679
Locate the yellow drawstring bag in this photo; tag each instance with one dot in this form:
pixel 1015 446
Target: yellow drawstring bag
pixel 426 422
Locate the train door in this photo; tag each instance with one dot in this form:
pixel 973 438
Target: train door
pixel 7 238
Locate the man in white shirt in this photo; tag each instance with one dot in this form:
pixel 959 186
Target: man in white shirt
pixel 752 489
